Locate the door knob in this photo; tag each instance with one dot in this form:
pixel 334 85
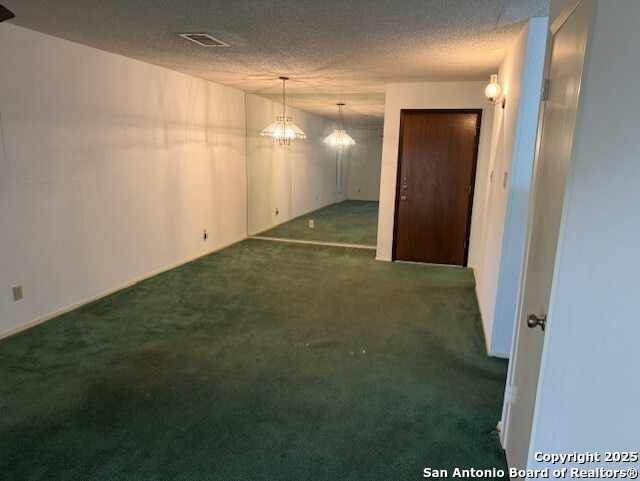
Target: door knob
pixel 534 321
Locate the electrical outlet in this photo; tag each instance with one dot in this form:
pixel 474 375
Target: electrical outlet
pixel 17 293
pixel 312 224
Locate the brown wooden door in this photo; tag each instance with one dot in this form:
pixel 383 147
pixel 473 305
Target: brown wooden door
pixel 434 194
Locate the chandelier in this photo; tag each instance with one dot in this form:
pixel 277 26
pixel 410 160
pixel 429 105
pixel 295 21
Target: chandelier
pixel 339 137
pixel 283 130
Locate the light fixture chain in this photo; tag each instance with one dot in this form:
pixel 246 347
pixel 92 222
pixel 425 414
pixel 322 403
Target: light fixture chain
pixel 283 98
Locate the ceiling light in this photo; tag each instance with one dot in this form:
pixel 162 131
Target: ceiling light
pixel 339 137
pixel 493 91
pixel 283 130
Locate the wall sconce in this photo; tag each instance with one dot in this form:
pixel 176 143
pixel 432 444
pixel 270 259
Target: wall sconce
pixel 493 91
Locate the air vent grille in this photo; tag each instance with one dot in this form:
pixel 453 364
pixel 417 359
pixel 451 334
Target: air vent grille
pixel 204 39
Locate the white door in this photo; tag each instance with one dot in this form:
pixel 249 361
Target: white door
pixel 550 177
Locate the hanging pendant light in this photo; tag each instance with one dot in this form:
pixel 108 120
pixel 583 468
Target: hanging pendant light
pixel 283 130
pixel 339 137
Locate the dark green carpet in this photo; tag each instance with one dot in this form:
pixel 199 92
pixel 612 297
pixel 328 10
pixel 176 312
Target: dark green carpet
pixel 264 361
pixel 349 222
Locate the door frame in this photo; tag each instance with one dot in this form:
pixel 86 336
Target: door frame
pixel 505 422
pixel 478 112
pixel 506 403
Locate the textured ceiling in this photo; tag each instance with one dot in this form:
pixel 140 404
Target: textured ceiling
pixel 330 49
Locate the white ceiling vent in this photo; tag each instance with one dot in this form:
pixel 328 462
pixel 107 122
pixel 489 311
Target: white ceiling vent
pixel 204 39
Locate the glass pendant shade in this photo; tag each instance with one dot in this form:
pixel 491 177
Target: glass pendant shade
pixel 493 90
pixel 283 130
pixel 339 137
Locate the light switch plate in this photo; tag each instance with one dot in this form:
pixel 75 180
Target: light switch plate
pixel 17 293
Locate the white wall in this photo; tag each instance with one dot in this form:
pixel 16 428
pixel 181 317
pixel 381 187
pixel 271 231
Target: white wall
pixel 110 169
pixel 588 390
pixel 319 172
pixel 508 185
pixel 365 160
pixel 293 179
pixel 432 95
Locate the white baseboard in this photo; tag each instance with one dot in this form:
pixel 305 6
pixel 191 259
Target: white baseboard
pixel 487 340
pixel 500 428
pixel 64 310
pixel 317 243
